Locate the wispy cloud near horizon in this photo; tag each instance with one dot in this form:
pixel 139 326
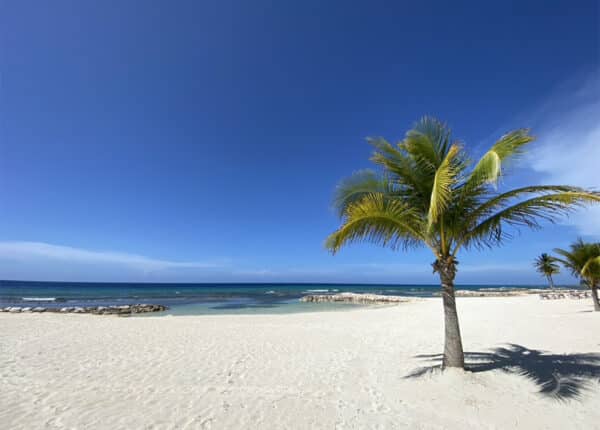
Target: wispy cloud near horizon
pixel 36 251
pixel 44 261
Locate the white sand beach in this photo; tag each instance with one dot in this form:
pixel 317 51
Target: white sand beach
pixel 324 370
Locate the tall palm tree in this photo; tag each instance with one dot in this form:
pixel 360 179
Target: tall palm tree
pixel 547 266
pixel 427 193
pixel 583 260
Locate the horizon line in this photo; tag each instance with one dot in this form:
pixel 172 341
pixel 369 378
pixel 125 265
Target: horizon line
pixel 274 283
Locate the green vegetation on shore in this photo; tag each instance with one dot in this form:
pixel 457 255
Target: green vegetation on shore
pixel 583 261
pixel 547 266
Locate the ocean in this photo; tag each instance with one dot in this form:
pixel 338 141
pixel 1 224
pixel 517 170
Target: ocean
pixel 194 299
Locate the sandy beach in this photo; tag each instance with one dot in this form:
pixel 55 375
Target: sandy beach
pixel 347 369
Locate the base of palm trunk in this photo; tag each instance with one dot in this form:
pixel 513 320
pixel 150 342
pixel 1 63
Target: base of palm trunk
pixel 595 299
pixel 453 349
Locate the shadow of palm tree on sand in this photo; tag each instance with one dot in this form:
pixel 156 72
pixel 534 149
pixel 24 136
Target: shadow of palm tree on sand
pixel 561 376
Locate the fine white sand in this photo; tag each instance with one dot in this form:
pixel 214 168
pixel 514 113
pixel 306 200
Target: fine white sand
pixel 303 371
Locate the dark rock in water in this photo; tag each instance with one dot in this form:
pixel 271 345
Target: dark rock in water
pixel 125 310
pixel 122 310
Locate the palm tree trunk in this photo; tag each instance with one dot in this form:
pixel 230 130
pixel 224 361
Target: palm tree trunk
pixel 595 297
pixel 551 282
pixel 453 349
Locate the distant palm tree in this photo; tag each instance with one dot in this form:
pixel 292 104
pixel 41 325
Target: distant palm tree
pixel 547 266
pixel 583 260
pixel 427 194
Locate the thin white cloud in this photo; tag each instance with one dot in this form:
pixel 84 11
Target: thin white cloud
pixel 36 251
pixel 44 261
pixel 568 148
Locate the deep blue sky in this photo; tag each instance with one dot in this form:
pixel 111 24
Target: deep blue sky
pixel 214 132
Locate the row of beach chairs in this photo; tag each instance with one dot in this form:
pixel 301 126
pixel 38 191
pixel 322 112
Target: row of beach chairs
pixel 569 294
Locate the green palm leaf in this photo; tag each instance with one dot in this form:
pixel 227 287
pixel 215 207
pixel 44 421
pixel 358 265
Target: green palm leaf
pixel 591 266
pixel 443 182
pixel 527 213
pixel 500 201
pixel 489 167
pixel 583 260
pixel 357 186
pixel 380 220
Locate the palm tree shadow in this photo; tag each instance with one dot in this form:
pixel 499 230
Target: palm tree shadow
pixel 561 376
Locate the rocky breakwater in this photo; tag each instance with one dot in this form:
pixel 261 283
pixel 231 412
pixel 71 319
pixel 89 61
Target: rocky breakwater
pixel 354 298
pixel 123 310
pixel 490 292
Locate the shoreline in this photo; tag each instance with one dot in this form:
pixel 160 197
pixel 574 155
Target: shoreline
pixel 342 302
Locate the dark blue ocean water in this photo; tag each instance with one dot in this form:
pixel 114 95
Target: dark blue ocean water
pixel 201 298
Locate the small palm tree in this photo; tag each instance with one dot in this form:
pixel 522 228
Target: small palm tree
pixel 429 194
pixel 583 260
pixel 547 266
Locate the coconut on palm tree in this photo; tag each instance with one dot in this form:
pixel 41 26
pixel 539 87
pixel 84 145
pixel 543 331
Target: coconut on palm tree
pixel 583 260
pixel 428 193
pixel 547 265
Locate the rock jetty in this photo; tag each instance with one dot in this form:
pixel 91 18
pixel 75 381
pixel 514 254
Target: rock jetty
pixel 123 310
pixel 354 298
pixel 495 292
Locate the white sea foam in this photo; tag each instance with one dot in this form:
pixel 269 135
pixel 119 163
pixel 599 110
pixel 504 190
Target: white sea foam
pixel 38 299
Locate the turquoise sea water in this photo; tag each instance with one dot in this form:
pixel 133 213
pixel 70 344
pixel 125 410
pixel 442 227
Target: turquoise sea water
pixel 186 299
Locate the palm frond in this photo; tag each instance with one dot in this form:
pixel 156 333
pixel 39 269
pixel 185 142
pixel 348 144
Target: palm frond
pixel 568 260
pixel 356 187
pixel 503 200
pixel 583 260
pixel 402 170
pixel 386 154
pixel 489 168
pixel 527 213
pixel 427 143
pixel 378 219
pixel 591 266
pixel 394 160
pixel 444 180
pixel 437 132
